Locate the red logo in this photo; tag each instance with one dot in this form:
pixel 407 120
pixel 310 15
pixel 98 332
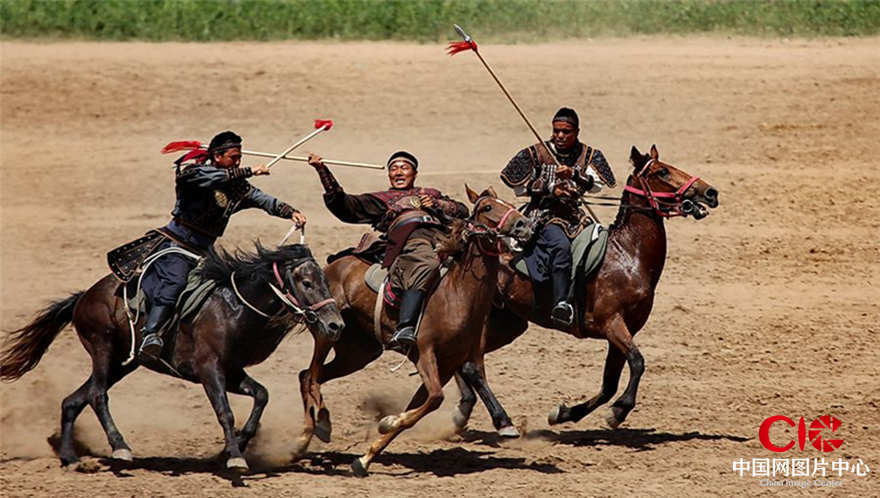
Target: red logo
pixel 813 435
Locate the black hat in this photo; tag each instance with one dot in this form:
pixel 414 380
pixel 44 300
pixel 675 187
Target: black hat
pixel 223 141
pixel 406 156
pixel 568 115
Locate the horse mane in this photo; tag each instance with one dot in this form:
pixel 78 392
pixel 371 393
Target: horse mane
pixel 452 243
pixel 219 265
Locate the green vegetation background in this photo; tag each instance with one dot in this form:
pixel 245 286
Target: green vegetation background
pixel 428 20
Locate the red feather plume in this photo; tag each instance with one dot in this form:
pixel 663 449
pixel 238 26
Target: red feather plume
pixel 460 46
pixel 183 145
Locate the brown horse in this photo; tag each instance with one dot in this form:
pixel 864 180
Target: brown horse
pixel 212 348
pixel 617 300
pixel 450 328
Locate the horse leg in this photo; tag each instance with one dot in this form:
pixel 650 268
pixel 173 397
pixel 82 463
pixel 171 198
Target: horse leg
pixel 466 402
pixel 353 351
pixel 71 407
pixel 214 382
pixel 247 386
pixel 501 328
pixel 103 377
pixel 614 361
pixel 475 376
pixel 621 349
pixel 313 401
pixel 428 398
pixel 623 340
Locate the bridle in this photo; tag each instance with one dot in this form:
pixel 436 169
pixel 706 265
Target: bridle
pixel 483 231
pixel 308 313
pixel 664 204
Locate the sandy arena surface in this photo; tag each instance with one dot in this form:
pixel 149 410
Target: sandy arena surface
pixel 768 306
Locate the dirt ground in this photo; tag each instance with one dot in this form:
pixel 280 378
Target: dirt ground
pixel 768 306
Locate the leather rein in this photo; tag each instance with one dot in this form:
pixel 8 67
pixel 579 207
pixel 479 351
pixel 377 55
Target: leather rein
pixel 664 204
pixel 307 312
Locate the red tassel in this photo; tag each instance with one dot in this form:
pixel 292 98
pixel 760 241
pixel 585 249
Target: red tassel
pixel 461 46
pixel 184 145
pixel 323 123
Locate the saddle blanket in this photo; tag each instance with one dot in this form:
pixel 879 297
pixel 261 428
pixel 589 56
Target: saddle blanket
pixel 587 252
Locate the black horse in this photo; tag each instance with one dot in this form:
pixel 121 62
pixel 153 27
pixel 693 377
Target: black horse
pixel 212 347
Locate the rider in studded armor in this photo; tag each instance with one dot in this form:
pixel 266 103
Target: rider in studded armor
pixel 413 218
pixel 554 201
pixel 210 187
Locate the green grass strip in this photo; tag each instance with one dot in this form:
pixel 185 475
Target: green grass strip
pixel 428 20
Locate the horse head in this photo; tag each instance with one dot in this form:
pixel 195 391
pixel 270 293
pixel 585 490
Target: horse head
pixel 498 219
pixel 669 190
pixel 307 283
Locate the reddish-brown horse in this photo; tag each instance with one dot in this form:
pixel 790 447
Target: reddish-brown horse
pixel 212 348
pixel 450 329
pixel 617 300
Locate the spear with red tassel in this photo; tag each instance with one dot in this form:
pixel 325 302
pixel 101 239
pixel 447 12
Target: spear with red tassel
pixel 470 44
pixel 198 149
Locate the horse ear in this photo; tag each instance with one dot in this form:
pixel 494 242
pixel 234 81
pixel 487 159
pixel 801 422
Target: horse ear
pixel 654 154
pixel 636 157
pixel 490 191
pixel 473 196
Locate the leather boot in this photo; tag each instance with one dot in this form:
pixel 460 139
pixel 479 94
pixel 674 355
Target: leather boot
pixel 404 337
pixel 562 313
pixel 151 346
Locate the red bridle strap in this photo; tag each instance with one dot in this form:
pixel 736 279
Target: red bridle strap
pixel 658 198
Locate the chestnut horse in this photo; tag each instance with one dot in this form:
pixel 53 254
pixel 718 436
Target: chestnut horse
pixel 450 328
pixel 617 300
pixel 213 348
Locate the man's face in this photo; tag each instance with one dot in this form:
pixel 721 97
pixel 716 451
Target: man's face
pixel 401 174
pixel 564 135
pixel 229 158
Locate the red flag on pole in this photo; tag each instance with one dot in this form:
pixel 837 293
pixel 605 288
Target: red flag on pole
pixel 323 123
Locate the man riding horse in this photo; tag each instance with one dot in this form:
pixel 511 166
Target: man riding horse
pixel 412 218
pixel 554 193
pixel 210 186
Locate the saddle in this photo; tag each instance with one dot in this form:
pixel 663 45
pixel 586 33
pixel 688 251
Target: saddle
pixel 587 253
pixel 376 279
pixel 370 249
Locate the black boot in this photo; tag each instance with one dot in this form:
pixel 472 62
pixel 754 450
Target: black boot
pixel 404 337
pixel 151 346
pixel 562 313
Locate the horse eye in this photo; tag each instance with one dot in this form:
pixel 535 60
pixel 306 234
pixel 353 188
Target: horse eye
pixel 487 208
pixel 307 284
pixel 663 172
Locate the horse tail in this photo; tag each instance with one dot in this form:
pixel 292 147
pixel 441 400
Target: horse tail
pixel 23 348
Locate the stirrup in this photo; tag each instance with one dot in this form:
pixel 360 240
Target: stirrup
pixel 562 314
pixel 403 340
pixel 151 347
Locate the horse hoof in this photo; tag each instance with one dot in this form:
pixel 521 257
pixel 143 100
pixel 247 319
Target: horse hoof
pixel 387 424
pixel 508 431
pixel 237 464
pixel 459 419
pixel 357 466
pixel 322 430
pixel 122 454
pixel 611 419
pixel 555 415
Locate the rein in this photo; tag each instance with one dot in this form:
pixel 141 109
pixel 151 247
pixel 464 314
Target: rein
pixel 664 204
pixel 479 229
pixel 307 312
